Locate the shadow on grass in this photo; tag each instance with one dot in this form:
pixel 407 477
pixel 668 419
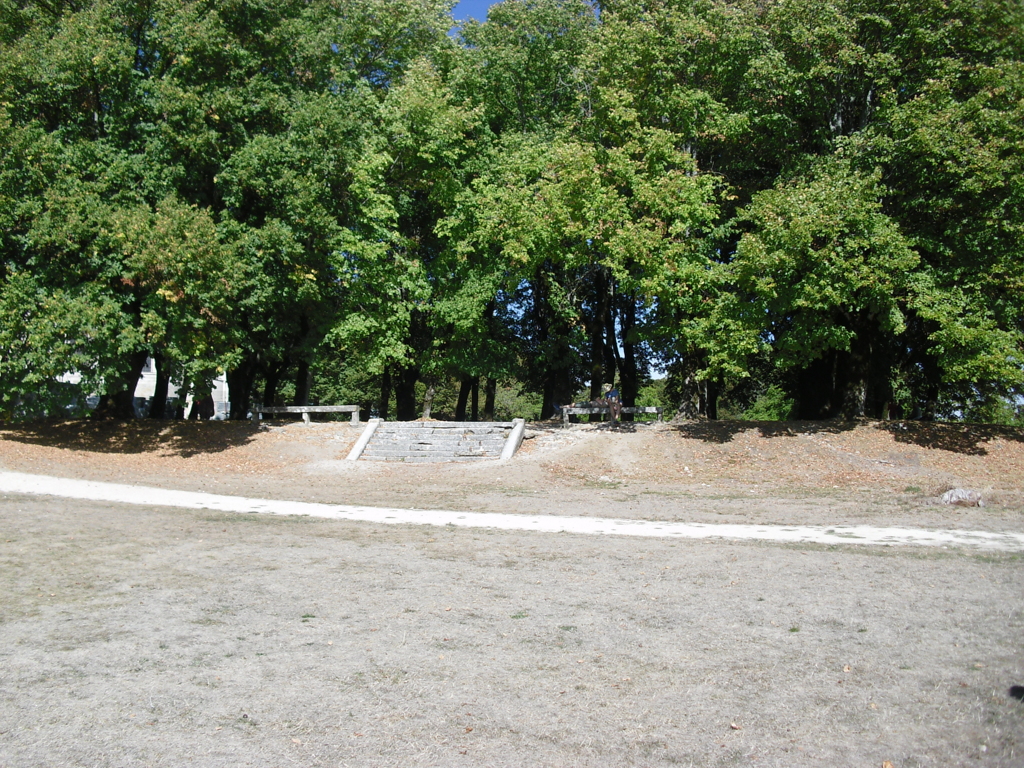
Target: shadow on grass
pixel 174 438
pixel 967 439
pixel 725 431
pixel 557 425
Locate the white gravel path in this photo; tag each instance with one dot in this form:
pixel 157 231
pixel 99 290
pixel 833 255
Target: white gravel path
pixel 16 482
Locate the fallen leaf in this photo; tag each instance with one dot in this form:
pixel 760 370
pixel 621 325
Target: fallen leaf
pixel 872 705
pixel 887 764
pixel 846 668
pixel 469 728
pixel 448 608
pixel 296 741
pixel 735 727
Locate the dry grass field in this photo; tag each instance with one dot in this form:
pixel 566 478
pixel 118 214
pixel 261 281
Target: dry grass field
pixel 134 636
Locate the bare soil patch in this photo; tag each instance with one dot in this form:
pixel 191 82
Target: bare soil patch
pixel 152 636
pixel 834 473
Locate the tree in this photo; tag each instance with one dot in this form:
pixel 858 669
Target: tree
pixel 99 249
pixel 247 123
pixel 822 279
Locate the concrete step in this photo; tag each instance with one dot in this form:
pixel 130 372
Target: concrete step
pixel 441 440
pixel 416 445
pixel 427 447
pixel 437 441
pixel 451 437
pixel 448 435
pixel 405 450
pixel 396 425
pixel 428 455
pixel 427 459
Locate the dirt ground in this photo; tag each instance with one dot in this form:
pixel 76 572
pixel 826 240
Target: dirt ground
pixel 154 636
pixel 834 473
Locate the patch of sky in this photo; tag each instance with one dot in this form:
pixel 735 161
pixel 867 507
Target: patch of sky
pixel 471 9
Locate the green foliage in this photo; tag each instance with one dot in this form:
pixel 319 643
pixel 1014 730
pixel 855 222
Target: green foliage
pixel 513 401
pixel 796 206
pixel 820 266
pixel 521 63
pixel 955 156
pixel 989 410
pixel 653 394
pixel 341 380
pixel 771 405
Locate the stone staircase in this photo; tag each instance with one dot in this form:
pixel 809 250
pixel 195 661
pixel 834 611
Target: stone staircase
pixel 435 441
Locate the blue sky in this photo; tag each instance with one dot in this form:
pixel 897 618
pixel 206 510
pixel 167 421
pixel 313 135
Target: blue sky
pixel 475 8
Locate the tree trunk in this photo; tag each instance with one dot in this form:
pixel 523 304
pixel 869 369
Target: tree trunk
pixel 490 390
pixel 428 400
pixel 612 361
pixel 202 408
pixel 931 403
pixel 712 388
pixel 384 411
pixel 475 400
pixel 598 344
pixel 854 367
pixel 120 404
pixel 816 388
pixel 240 387
pixel 547 408
pixel 158 405
pixel 686 407
pixel 629 377
pixel 597 327
pixel 405 394
pixel 465 387
pixel 707 398
pixel 303 383
pixel 273 379
pixel 854 381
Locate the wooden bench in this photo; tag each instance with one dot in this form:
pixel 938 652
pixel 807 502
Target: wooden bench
pixel 585 409
pixel 305 410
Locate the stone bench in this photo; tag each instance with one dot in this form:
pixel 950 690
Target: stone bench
pixel 579 410
pixel 305 410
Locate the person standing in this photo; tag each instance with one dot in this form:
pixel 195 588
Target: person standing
pixel 611 396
